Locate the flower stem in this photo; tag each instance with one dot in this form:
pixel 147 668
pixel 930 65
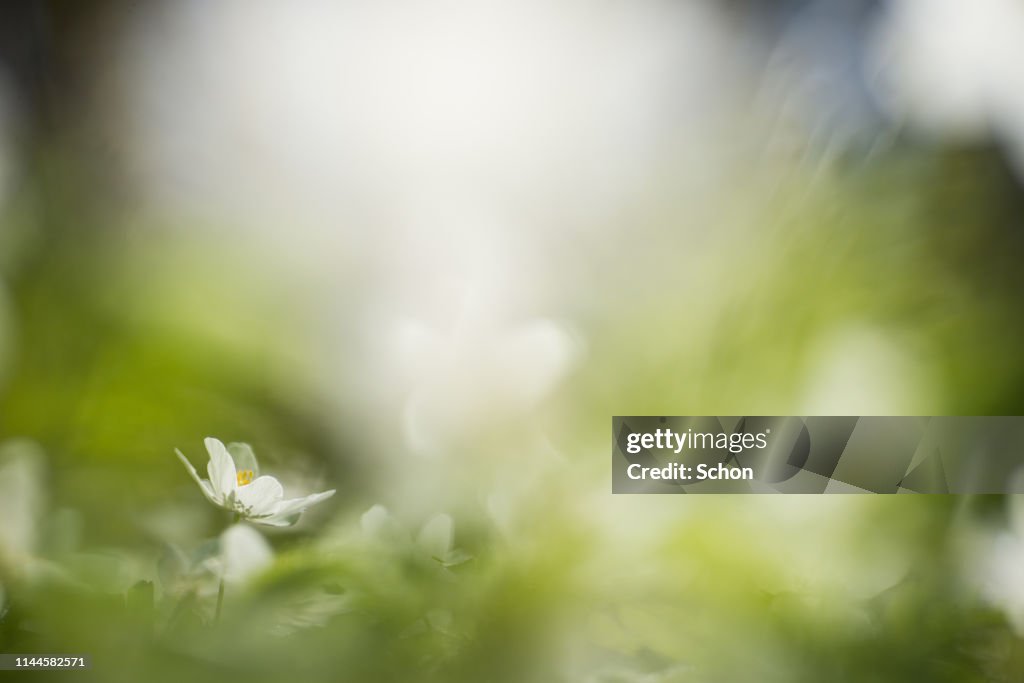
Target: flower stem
pixel 220 589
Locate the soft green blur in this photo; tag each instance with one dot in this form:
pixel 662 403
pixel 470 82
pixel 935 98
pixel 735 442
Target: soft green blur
pixel 124 352
pixel 473 537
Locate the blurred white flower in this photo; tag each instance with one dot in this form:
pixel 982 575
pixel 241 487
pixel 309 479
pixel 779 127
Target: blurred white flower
pixel 378 523
pixel 435 539
pixel 244 553
pixel 480 372
pixel 21 503
pixel 954 68
pixel 997 563
pixel 22 516
pixel 258 499
pixel 1002 580
pixel 859 369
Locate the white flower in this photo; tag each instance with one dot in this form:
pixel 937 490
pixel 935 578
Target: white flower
pixel 434 540
pixel 235 486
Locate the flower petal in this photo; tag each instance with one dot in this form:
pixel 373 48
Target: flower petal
pixel 261 497
pixel 378 524
pixel 244 458
pixel 374 520
pixel 436 536
pixel 286 508
pixel 204 485
pixel 221 468
pixel 244 553
pixel 276 521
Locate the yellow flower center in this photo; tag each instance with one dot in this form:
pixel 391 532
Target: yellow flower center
pixel 244 477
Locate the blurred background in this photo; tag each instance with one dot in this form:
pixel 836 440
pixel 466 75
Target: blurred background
pixel 421 252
